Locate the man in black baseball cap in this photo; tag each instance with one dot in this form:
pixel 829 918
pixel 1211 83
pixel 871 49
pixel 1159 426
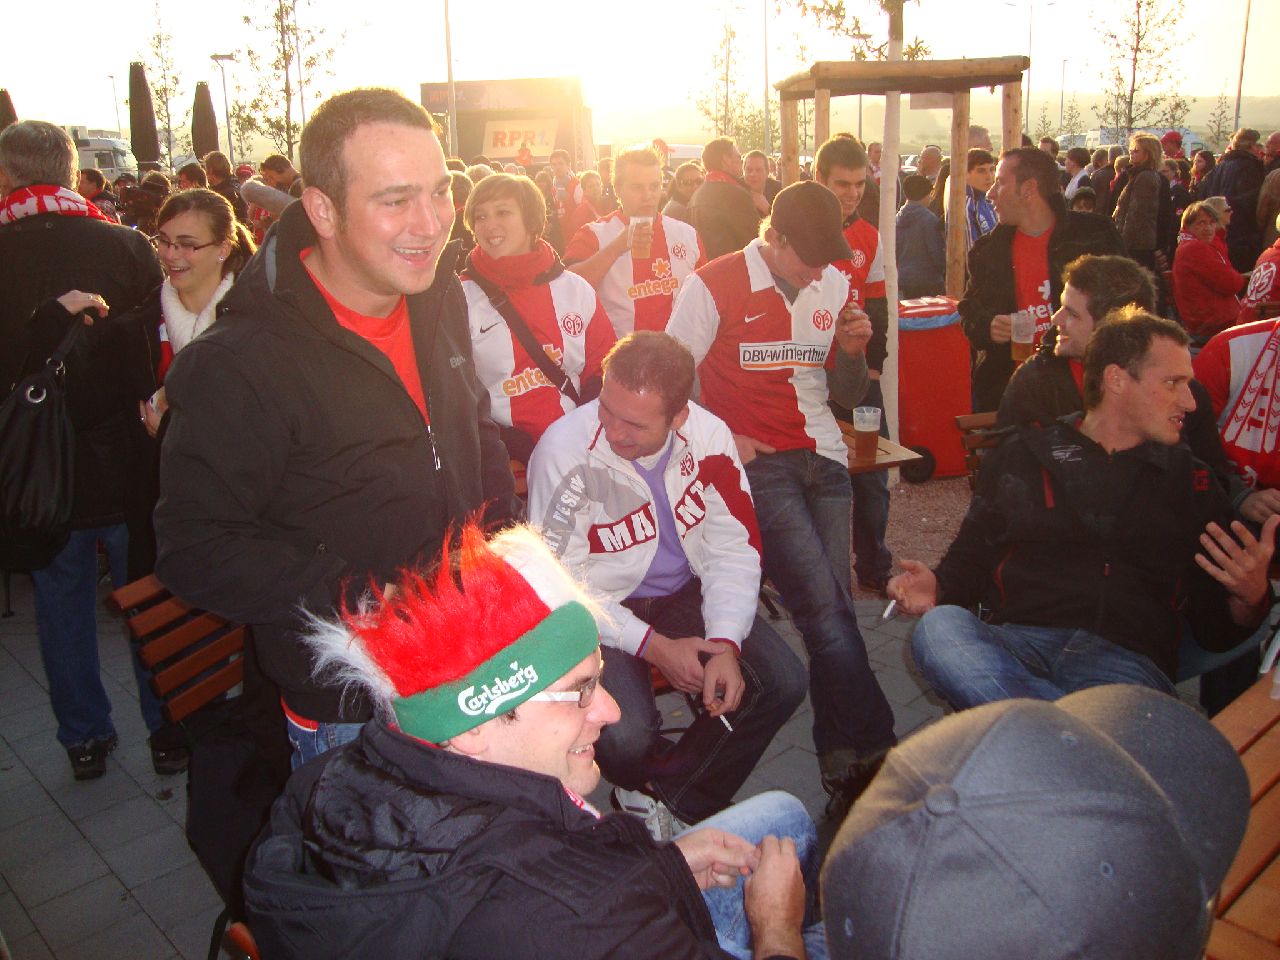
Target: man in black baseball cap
pixel 1098 826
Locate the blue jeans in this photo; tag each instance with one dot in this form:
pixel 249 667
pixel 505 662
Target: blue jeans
pixel 969 662
pixel 309 744
pixel 872 560
pixel 66 595
pixel 697 775
pixel 802 503
pixel 781 815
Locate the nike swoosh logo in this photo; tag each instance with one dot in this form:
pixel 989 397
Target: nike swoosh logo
pixel 756 317
pixel 484 330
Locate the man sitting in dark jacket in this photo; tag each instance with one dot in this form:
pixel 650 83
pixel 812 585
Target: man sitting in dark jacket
pixel 1082 540
pixel 457 825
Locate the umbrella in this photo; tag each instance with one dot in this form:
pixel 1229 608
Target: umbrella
pixel 204 124
pixel 142 120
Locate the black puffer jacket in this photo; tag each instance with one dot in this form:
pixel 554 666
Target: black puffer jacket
pixel 389 847
pixel 1061 534
pixel 296 466
pixel 991 290
pixel 43 257
pixel 1238 177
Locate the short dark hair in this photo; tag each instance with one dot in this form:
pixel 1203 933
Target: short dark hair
pixel 95 176
pixel 526 194
pixel 217 164
pixel 639 157
pixel 1079 156
pixel 561 153
pixel 35 151
pixel 755 155
pixel 1034 164
pixel 917 187
pixel 325 136
pixel 1109 282
pixel 714 152
pixel 839 151
pixel 976 157
pixel 277 163
pixel 1124 339
pixel 461 186
pixel 654 361
pixel 1052 143
pixel 194 172
pixel 222 223
pixel 1084 193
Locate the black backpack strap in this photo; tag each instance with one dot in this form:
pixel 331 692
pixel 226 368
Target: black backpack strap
pixel 507 310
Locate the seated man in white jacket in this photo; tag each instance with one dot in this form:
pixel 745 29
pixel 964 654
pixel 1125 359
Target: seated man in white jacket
pixel 642 494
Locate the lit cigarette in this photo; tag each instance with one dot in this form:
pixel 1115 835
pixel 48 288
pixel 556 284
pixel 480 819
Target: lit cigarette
pixel 725 721
pixel 888 611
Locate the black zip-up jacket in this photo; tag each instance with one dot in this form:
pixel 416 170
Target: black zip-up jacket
pixel 388 847
pixel 295 467
pixel 724 216
pixel 1061 534
pixel 990 290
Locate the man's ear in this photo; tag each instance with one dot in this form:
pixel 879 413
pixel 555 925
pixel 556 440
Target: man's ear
pixel 679 419
pixel 1114 378
pixel 473 743
pixel 321 211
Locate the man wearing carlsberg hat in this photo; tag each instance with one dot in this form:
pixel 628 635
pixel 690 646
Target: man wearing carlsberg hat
pixel 1097 827
pixel 456 823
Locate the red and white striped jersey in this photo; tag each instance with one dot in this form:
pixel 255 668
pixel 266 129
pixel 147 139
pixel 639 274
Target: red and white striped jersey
pixel 568 320
pixel 761 360
pixel 637 294
pixel 865 269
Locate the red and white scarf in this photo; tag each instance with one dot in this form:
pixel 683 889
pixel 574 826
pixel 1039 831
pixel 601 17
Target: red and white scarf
pixel 1256 409
pixel 47 198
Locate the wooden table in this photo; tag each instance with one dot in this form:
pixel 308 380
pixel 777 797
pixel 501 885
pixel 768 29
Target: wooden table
pixel 888 453
pixel 1248 924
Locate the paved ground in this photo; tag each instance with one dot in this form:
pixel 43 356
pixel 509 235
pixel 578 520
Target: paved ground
pixel 102 870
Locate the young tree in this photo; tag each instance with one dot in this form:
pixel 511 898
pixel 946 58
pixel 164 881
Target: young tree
pixel 1220 120
pixel 1143 48
pixel 1044 126
pixel 166 83
pixel 286 70
pixel 720 102
pixel 835 17
pixel 1072 123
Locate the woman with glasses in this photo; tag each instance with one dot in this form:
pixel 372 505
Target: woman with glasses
pixel 1204 281
pixel 1137 213
pixel 688 178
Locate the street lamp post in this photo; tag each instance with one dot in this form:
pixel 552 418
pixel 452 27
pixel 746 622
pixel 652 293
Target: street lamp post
pixel 220 59
pixel 453 93
pixel 115 100
pixel 1031 14
pixel 1062 94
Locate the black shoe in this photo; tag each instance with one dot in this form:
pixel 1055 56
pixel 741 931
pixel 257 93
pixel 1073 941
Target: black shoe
pixel 844 791
pixel 89 759
pixel 169 750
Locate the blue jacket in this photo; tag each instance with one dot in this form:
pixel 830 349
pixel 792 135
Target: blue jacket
pixel 922 252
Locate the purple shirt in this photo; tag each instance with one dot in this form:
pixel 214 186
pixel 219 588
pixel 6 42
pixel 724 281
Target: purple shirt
pixel 669 570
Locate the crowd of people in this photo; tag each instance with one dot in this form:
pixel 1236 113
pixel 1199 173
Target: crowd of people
pixel 478 455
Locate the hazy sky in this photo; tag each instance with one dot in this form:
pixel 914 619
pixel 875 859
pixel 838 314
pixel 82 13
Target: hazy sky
pixel 642 63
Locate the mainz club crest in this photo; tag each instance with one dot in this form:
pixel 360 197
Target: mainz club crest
pixel 859 259
pixel 822 319
pixel 686 465
pixel 571 324
pixel 679 252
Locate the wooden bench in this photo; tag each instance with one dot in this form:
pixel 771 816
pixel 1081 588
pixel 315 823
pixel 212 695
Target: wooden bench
pixel 1248 915
pixel 977 434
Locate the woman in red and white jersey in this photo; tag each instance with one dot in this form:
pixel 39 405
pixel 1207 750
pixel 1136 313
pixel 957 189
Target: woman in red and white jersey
pixel 513 266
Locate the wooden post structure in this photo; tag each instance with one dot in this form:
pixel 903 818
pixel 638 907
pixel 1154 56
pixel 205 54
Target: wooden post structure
pixel 789 117
pixel 1011 116
pixel 957 221
pixel 821 116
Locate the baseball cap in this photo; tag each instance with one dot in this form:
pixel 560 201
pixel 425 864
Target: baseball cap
pixel 1097 826
pixel 808 215
pixel 1171 136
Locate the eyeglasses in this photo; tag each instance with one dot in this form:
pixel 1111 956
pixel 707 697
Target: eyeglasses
pixel 690 183
pixel 160 241
pixel 582 696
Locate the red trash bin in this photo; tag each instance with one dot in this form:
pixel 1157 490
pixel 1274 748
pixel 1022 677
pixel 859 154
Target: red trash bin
pixel 934 385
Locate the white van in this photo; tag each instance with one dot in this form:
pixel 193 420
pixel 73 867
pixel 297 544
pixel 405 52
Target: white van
pixel 113 157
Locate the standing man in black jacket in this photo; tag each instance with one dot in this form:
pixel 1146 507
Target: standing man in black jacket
pixel 54 243
pixel 1238 177
pixel 329 427
pixel 722 211
pixel 1018 266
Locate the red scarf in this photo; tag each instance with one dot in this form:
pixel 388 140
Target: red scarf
pixel 719 176
pixel 47 198
pixel 515 272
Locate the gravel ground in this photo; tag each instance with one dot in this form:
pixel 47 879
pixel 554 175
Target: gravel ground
pixel 924 518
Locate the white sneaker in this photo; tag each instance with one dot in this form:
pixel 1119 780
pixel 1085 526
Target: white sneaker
pixel 658 819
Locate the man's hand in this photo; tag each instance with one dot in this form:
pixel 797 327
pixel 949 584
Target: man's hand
pixel 678 660
pixel 75 301
pixel 1001 328
pixel 717 858
pixel 639 234
pixel 853 330
pixel 722 682
pixel 1260 504
pixel 774 900
pixel 915 588
pixel 153 411
pixel 1240 564
pixel 749 447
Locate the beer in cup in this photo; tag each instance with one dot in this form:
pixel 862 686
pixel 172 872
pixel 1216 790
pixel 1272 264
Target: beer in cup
pixel 866 432
pixel 642 246
pixel 1024 335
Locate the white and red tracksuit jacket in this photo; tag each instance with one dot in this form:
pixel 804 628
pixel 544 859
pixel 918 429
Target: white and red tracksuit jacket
pixel 596 512
pixel 761 361
pixel 637 294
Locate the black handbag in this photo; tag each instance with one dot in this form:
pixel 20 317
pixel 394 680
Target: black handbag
pixel 37 463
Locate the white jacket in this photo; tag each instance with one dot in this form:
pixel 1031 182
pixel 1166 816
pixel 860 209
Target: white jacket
pixel 596 512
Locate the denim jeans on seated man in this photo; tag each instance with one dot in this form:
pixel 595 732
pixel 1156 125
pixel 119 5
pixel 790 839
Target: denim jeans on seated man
pixel 66 601
pixel 803 507
pixel 781 815
pixel 969 662
pixel 698 775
